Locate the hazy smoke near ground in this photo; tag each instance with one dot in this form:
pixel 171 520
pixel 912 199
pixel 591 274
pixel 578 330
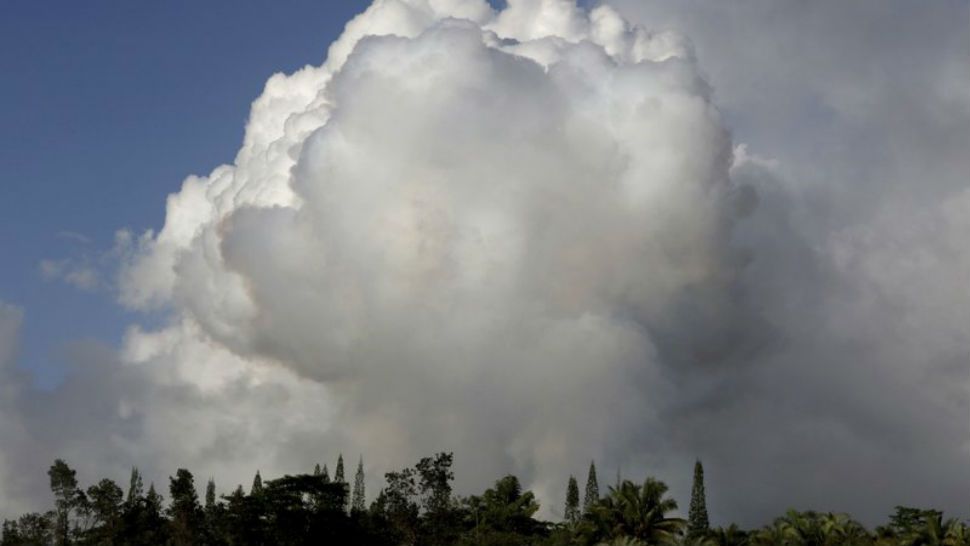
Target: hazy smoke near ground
pixel 527 237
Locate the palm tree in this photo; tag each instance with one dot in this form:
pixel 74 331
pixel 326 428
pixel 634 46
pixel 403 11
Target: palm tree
pixel 792 529
pixel 776 534
pixel 915 527
pixel 937 532
pixel 812 529
pixel 958 534
pixel 841 530
pixel 803 528
pixel 730 536
pixel 638 512
pixel 623 541
pixel 700 540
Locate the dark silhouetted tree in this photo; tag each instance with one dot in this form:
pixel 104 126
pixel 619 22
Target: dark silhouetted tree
pixel 185 513
pixel 592 489
pixel 29 530
pixel 697 522
pixel 210 494
pixel 417 507
pixel 441 521
pixel 106 500
pixel 67 499
pixel 214 515
pixel 571 513
pixel 638 512
pixel 303 510
pixel 435 482
pixel 730 536
pixel 397 505
pixel 357 503
pixel 503 515
pixel 154 500
pixel 135 486
pixel 143 521
pixel 338 473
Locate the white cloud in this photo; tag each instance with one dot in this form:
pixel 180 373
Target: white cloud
pixel 460 230
pixel 80 275
pixel 527 236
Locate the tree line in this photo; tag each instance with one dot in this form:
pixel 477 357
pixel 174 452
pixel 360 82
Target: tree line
pixel 417 507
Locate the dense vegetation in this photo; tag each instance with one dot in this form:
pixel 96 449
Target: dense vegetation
pixel 417 507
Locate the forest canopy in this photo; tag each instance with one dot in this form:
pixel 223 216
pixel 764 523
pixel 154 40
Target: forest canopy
pixel 417 506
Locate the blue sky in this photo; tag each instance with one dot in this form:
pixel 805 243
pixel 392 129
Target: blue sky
pixel 105 107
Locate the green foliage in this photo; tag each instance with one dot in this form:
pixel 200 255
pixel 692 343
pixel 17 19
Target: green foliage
pixel 623 541
pixel 63 482
pixel 357 503
pixel 29 530
pixel 142 521
pixel 338 474
pixel 397 504
pixel 302 506
pixel 592 489
pixel 135 486
pixel 697 522
pixel 185 512
pixel 72 509
pixel 812 529
pixel 210 494
pixel 416 506
pixel 504 515
pixel 571 513
pixel 729 536
pixel 435 482
pixel 635 511
pixel 106 504
pixel 917 527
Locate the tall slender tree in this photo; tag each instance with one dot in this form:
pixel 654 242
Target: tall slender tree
pixel 105 500
pixel 153 530
pixel 325 474
pixel 572 501
pixel 592 489
pixel 316 470
pixel 184 511
pixel 210 494
pixel 135 486
pixel 697 522
pixel 153 500
pixel 257 487
pixel 67 497
pixel 357 503
pixel 338 474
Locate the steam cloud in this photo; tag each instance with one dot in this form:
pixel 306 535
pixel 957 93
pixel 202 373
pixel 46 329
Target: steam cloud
pixel 527 237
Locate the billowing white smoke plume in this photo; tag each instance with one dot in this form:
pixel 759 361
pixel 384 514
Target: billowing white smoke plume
pixel 463 225
pixel 526 236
